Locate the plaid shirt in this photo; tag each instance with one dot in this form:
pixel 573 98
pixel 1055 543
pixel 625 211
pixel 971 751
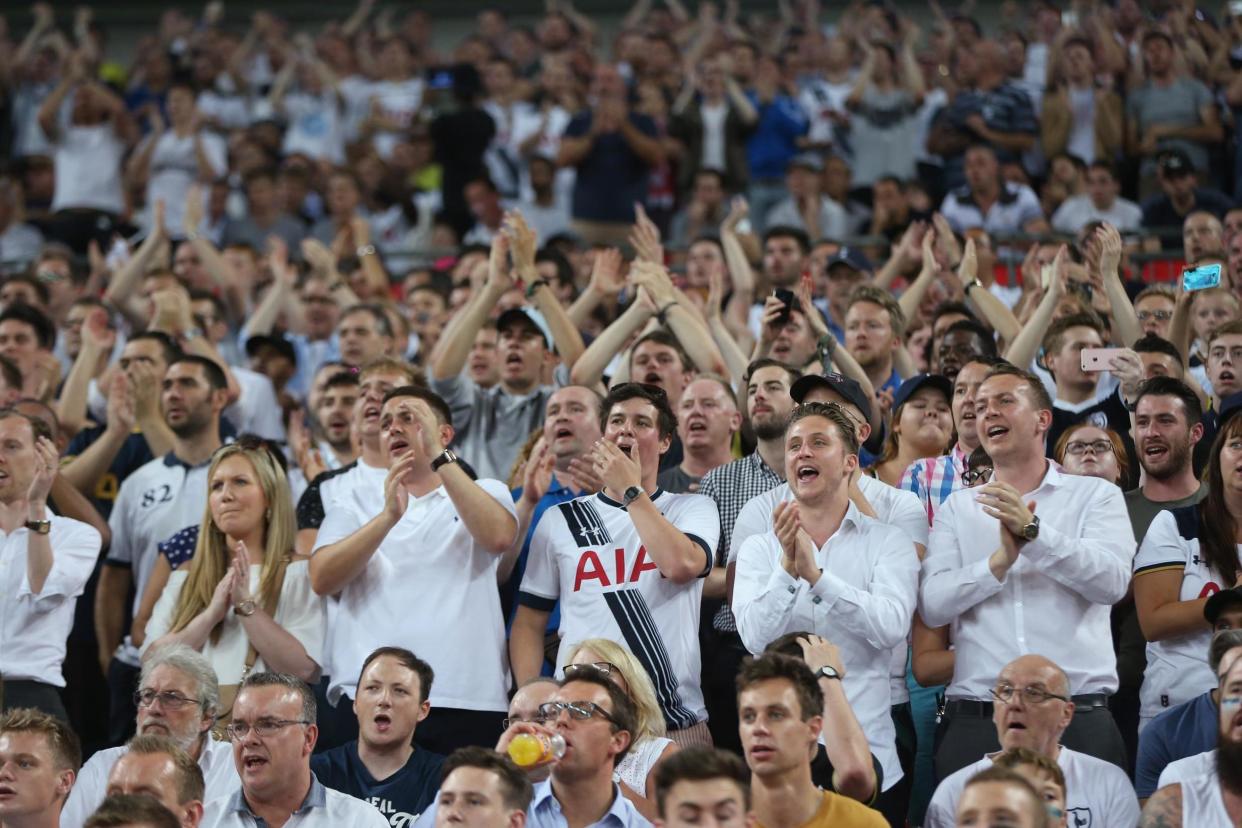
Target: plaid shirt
pixel 731 486
pixel 933 479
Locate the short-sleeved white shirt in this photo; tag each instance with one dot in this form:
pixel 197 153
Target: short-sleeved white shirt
pixel 35 626
pixel 174 169
pixel 316 126
pixel 88 167
pixel 587 553
pixel 1177 668
pixel 430 588
pixel 155 502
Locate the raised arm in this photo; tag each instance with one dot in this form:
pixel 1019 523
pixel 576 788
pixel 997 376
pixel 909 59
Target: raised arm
pixel 1026 344
pixel 853 773
pixel 1122 316
pixel 595 359
pixel 692 334
pixel 565 335
pixel 996 312
pixel 123 288
pixel 912 297
pixel 447 362
pixel 605 285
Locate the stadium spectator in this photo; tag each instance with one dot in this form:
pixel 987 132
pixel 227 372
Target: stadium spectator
pixel 39 760
pixel 157 767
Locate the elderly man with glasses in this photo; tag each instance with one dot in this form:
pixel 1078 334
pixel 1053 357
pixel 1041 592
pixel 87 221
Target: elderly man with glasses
pixel 177 698
pixel 273 733
pixel 1031 708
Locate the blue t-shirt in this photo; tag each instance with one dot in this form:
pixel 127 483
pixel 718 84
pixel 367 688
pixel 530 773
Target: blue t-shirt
pixel 1185 730
pixel 400 798
pixel 611 178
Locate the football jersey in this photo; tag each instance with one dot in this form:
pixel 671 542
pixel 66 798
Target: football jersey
pixel 587 553
pixel 1177 668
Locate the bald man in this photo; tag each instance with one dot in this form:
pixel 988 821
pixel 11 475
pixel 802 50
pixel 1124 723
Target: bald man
pixel 1202 235
pixel 1031 708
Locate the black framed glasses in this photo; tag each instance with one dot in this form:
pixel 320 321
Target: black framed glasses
pixel 167 699
pixel 1097 447
pixel 979 474
pixel 263 728
pixel 1030 695
pixel 580 710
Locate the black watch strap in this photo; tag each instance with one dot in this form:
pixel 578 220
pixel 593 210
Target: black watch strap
pixel 447 456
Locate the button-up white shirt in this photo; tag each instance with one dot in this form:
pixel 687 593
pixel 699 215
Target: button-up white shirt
pixel 863 602
pixel 1056 599
pixel 34 626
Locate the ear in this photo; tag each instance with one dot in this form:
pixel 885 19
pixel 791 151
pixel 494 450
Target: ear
pixel 64 783
pixel 864 432
pixel 446 434
pixel 1045 420
pixel 312 736
pixel 815 726
pixel 1068 716
pixel 620 741
pixel 665 444
pixel 517 819
pixel 851 463
pixel 424 710
pixel 1196 433
pixel 194 810
pixel 735 422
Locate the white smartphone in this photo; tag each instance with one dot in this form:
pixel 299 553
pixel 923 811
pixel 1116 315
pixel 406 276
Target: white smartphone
pixel 1098 359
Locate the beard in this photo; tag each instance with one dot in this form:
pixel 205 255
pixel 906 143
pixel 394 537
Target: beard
pixel 1177 459
pixel 1229 764
pixel 770 429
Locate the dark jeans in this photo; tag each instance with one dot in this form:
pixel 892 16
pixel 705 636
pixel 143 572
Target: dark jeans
pixel 122 712
pixel 894 803
pixel 966 733
pixel 36 694
pixel 722 655
pixel 77 228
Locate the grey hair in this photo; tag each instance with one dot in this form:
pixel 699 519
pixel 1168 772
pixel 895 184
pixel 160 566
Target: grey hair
pixel 1222 642
pixel 195 665
pixel 310 710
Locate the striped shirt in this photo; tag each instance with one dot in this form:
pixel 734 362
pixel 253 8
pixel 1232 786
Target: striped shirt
pixel 933 479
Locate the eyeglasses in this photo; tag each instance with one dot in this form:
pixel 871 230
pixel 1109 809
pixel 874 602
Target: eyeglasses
pixel 1078 448
pixel 263 728
pixel 582 711
pixel 981 474
pixel 1158 315
pixel 49 277
pixel 1030 695
pixel 167 699
pixel 606 668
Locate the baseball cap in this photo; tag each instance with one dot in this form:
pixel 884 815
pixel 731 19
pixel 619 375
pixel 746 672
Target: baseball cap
pixel 530 318
pixel 807 160
pixel 1175 162
pixel 918 381
pixel 281 345
pixel 839 384
pixel 1220 602
pixel 851 257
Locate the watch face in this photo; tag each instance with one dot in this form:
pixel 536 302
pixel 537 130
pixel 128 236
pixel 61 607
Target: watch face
pixel 1030 531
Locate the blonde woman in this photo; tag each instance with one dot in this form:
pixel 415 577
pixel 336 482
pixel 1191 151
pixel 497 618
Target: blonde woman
pixel 636 772
pixel 244 589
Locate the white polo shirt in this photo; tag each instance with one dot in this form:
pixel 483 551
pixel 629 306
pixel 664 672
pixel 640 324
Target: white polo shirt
pixel 34 627
pixel 1055 601
pixel 155 502
pixel 1097 793
pixel 863 602
pixel 91 786
pixel 893 506
pixel 429 588
pixel 322 806
pixel 587 553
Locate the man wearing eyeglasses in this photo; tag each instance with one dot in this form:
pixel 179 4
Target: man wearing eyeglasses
pixel 1031 708
pixel 177 698
pixel 273 734
pixel 1032 561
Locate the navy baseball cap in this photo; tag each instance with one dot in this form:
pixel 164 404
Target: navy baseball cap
pixel 528 318
pixel 839 384
pixel 851 257
pixel 918 381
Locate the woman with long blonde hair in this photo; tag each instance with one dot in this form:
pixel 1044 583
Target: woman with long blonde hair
pixel 244 600
pixel 636 772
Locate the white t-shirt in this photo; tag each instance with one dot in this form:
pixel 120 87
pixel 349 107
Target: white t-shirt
pixel 429 588
pixel 1177 668
pixel 1203 806
pixel 257 410
pixel 893 506
pixel 299 611
pixel 88 167
pixel 1098 794
pixel 315 126
pixel 713 135
pixel 399 101
pixel 587 553
pixel 1082 124
pixel 174 169
pixel 1077 211
pixel 526 123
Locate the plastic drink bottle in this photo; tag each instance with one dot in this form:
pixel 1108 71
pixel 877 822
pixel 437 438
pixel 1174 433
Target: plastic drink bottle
pixel 529 749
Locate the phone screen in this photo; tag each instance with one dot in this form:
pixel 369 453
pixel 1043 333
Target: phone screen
pixel 1201 278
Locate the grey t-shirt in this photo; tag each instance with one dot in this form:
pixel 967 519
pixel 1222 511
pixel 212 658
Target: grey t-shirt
pixel 1177 104
pixel 883 131
pixel 1143 511
pixel 676 481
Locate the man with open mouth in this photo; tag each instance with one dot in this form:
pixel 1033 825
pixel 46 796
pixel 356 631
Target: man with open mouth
pixel 39 760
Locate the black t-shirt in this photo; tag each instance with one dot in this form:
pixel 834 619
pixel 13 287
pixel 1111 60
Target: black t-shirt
pixel 1159 214
pixel 405 794
pixel 1109 412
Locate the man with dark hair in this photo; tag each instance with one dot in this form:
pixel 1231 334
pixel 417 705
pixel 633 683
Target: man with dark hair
pixel 365 334
pixel 159 499
pixel 874 329
pixel 829 568
pixel 768 406
pixel 462 529
pixel 658 545
pixel 784 253
pixel 1160 357
pixel 1179 195
pixel 699 784
pixel 1167 428
pixel 482 788
pixel 27 337
pixel 39 760
pixel 780 707
pixel 50 558
pixel 1054 564
pixel 1077 388
pixel 383 766
pixel 273 733
pixel 157 767
pixel 334 416
pixel 1003 797
pixel 962 341
pixel 1102 201
pixel 132 811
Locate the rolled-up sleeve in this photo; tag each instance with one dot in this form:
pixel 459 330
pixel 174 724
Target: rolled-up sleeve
pixel 75 548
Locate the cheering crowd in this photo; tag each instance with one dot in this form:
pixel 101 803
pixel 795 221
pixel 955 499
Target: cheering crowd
pixel 806 417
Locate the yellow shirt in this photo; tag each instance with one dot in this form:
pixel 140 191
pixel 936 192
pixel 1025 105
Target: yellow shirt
pixel 836 811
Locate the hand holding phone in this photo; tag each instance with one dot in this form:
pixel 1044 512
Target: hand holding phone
pixel 1098 359
pixel 1201 278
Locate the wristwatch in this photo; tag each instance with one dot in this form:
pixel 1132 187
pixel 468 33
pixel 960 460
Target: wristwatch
pixel 631 494
pixel 447 456
pixel 828 672
pixel 534 286
pixel 366 250
pixel 826 346
pixel 973 283
pixel 1031 531
pixel 191 334
pixel 246 608
pixel 39 527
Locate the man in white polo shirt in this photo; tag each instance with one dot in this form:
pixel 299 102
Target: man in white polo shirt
pixel 158 500
pixel 1031 562
pixel 828 568
pixel 273 733
pixel 626 564
pixel 421 574
pixel 1031 709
